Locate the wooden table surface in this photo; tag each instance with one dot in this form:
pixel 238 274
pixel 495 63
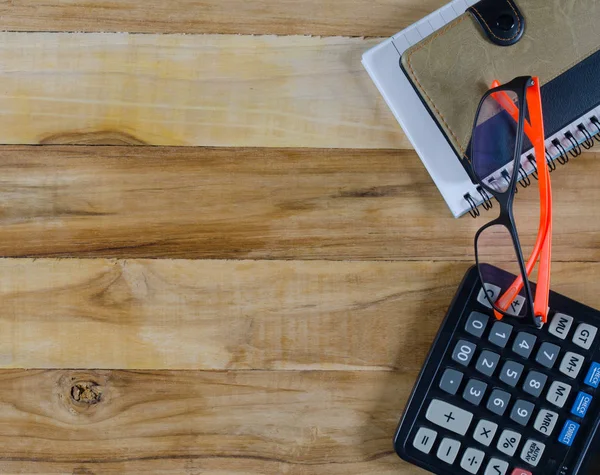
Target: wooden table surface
pixel 220 254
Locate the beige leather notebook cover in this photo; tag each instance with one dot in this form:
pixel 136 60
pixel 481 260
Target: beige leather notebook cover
pixel 556 40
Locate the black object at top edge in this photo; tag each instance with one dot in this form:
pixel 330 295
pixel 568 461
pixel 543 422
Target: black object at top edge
pixel 501 20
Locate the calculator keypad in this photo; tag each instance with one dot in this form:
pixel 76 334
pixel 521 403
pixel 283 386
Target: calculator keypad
pixel 530 385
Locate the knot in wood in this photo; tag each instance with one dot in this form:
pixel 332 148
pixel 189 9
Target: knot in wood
pixel 86 392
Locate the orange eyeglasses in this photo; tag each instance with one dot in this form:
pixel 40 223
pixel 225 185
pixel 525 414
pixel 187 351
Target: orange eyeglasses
pixel 509 120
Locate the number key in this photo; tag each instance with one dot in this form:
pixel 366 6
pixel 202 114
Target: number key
pixel 523 345
pixel 547 354
pixel 521 412
pixel 474 391
pixel 500 334
pixel 487 362
pixel 498 401
pixel 534 383
pixel 476 324
pixel 463 352
pixel 511 373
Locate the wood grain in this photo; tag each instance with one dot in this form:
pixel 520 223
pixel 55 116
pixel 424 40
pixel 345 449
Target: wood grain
pixel 201 422
pixel 163 314
pixel 149 202
pixel 222 90
pixel 280 17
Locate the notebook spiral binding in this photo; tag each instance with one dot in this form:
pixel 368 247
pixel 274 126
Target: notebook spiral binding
pixel 591 136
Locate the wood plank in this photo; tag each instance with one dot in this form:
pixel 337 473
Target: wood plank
pixel 221 90
pixel 163 314
pixel 198 422
pixel 278 17
pixel 151 202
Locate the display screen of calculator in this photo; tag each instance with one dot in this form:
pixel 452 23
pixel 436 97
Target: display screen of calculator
pixel 503 397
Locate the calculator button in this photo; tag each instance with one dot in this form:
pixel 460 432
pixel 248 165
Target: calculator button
pixel 524 343
pixel 508 442
pixel 521 471
pixel 496 467
pixel 448 450
pixel 568 433
pixel 584 335
pixel 463 352
pixel 558 393
pixel 493 292
pixel 500 334
pixel 487 362
pixel 522 411
pixel 424 440
pixel 560 325
pixel 517 305
pixel 547 354
pixel 476 324
pixel 472 460
pixel 532 452
pixel 545 422
pixel 485 432
pixel 582 404
pixel 498 402
pixel 534 383
pixel 448 416
pixel 593 377
pixel 571 364
pixel 474 391
pixel 450 381
pixel 511 373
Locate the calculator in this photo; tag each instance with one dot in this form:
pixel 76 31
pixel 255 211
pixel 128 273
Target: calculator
pixel 501 397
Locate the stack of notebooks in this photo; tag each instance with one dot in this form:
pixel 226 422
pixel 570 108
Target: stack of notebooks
pixel 433 74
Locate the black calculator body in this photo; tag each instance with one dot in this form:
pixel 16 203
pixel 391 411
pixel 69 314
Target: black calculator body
pixel 503 397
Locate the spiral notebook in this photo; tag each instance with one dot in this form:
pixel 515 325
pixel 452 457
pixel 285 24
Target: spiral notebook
pixel 424 100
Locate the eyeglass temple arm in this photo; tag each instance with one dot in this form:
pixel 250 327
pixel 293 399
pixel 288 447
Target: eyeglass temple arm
pixel 542 246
